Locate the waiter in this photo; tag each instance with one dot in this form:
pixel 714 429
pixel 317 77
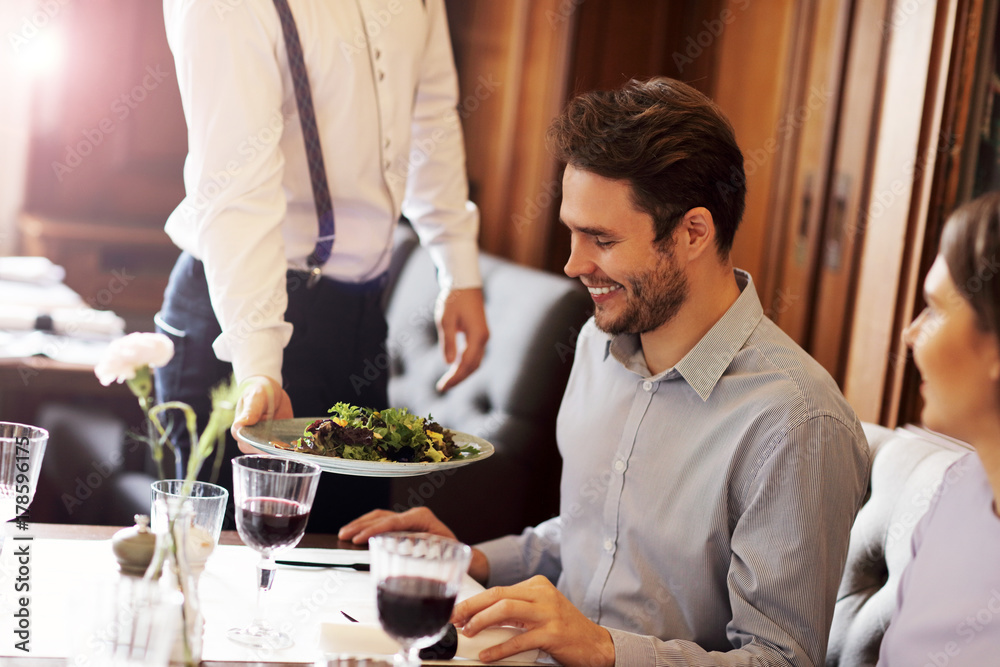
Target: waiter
pixel 312 126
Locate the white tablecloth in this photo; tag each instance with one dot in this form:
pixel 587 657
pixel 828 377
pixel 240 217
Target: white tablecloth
pixel 69 578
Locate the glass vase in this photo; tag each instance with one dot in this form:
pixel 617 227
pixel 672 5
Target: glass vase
pixel 180 562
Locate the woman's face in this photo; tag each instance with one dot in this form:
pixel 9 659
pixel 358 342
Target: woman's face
pixel 958 363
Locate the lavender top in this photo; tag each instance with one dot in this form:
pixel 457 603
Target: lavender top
pixel 948 605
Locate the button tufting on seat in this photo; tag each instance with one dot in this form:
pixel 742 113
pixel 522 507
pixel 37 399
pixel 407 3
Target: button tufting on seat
pixel 482 403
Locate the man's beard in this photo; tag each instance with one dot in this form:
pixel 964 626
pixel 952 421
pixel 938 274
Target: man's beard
pixel 651 300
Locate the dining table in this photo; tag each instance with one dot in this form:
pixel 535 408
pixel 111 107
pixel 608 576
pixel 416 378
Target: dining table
pixel 70 569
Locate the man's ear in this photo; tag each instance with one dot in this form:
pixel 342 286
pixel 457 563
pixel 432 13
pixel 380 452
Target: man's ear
pixel 696 232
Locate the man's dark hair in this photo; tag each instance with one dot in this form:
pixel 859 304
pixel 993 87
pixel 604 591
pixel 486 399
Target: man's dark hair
pixel 669 141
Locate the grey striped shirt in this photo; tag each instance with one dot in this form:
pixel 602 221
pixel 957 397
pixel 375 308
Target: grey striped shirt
pixel 705 511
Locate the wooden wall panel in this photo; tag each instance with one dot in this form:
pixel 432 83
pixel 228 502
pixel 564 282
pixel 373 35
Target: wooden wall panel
pixel 813 116
pixel 534 197
pixel 851 172
pixel 909 122
pixel 487 38
pixel 512 60
pixel 754 73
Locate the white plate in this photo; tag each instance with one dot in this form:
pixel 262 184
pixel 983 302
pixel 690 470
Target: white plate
pixel 262 434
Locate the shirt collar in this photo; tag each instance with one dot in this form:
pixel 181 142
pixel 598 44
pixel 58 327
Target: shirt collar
pixel 705 363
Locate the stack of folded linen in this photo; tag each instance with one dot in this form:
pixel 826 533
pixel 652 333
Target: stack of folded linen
pixel 33 270
pixel 80 321
pixel 39 315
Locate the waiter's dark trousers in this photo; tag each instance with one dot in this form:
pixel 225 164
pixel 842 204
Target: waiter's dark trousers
pixel 338 327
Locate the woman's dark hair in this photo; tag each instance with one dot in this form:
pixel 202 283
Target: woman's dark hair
pixel 970 243
pixel 673 144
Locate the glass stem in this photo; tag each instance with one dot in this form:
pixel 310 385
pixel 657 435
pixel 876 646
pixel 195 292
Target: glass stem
pixel 266 569
pixel 408 656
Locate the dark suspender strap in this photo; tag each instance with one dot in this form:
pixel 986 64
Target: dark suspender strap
pixel 310 133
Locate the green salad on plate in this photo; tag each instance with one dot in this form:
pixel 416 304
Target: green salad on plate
pixel 392 435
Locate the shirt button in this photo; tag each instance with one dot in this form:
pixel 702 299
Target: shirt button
pixel 609 545
pixel 619 465
pixel 387 142
pixel 387 164
pixel 378 54
pixel 381 75
pixel 647 385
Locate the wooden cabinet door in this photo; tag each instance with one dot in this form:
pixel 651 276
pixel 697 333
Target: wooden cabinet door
pixel 811 120
pixel 850 172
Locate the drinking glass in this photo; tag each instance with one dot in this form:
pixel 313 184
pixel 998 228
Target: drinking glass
pixel 21 450
pixel 208 510
pixel 273 499
pixel 417 578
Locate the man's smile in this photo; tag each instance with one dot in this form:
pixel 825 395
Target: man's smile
pixel 606 289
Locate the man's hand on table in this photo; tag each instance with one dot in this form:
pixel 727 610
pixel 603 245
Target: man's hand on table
pixel 550 621
pixel 262 398
pixel 461 310
pixel 417 519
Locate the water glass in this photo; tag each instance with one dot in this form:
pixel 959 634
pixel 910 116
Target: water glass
pixel 22 448
pixel 207 502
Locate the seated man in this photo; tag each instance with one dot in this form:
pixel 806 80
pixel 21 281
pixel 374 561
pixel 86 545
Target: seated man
pixel 711 468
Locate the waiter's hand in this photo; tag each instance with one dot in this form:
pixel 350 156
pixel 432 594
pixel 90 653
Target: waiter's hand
pixel 549 619
pixel 262 398
pixel 461 310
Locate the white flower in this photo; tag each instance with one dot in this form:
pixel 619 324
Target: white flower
pixel 128 354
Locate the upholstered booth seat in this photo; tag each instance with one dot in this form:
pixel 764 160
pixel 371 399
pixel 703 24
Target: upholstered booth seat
pixel 907 468
pixel 512 400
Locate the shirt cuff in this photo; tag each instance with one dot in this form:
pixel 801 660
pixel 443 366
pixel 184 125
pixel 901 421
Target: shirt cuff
pixel 457 263
pixel 632 650
pixel 505 559
pixel 254 353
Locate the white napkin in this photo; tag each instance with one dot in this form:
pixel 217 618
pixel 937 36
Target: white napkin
pixel 37 270
pixel 65 321
pixel 38 296
pixel 366 639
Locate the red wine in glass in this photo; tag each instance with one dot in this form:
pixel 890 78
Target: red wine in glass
pixel 271 523
pixel 273 496
pixel 414 607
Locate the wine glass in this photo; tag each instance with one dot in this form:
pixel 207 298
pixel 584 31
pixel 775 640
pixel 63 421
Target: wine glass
pixel 21 450
pixel 417 577
pixel 273 498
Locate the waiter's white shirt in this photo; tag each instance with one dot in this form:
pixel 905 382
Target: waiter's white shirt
pixel 385 93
